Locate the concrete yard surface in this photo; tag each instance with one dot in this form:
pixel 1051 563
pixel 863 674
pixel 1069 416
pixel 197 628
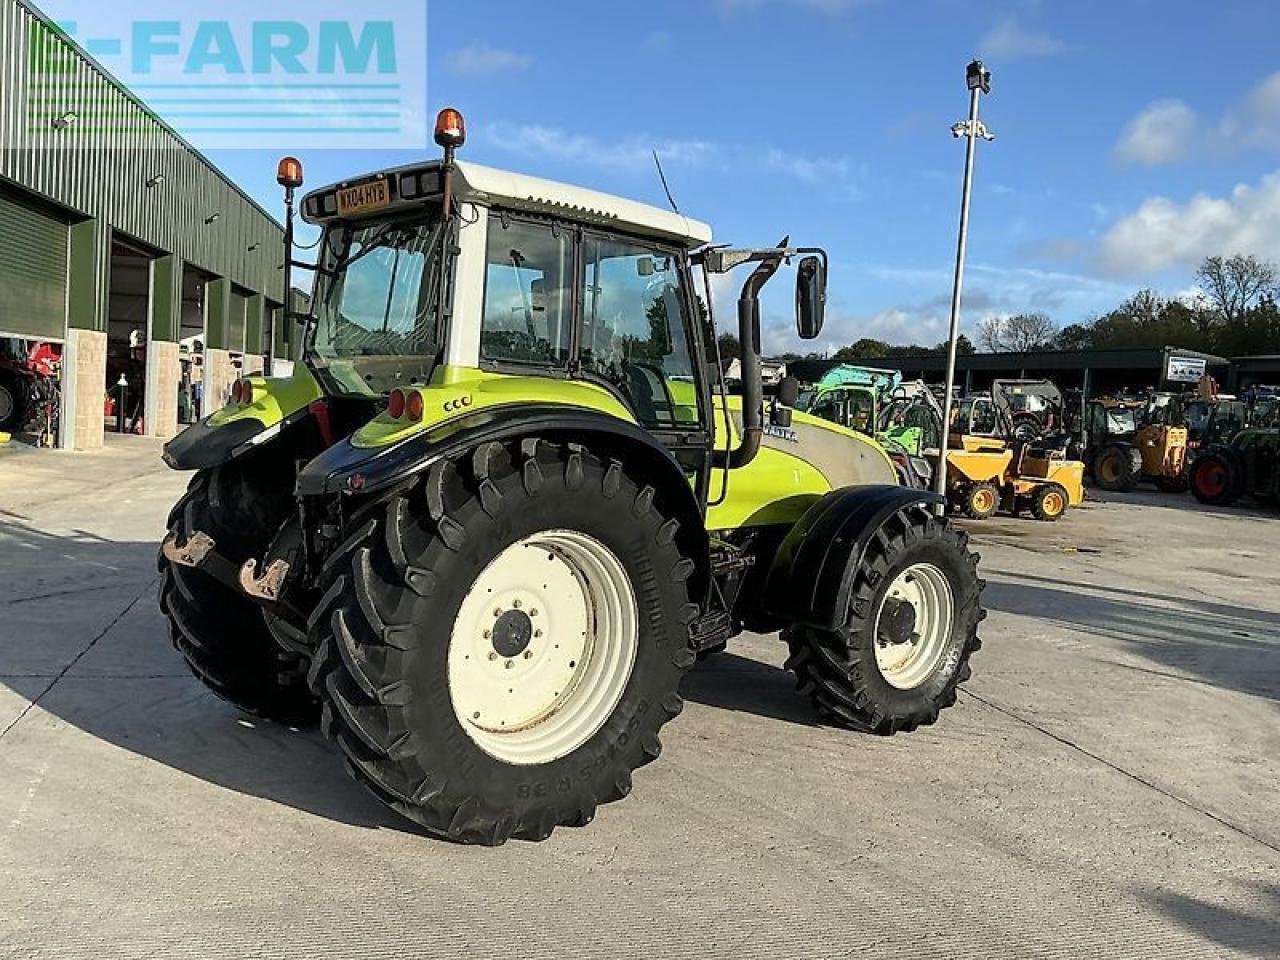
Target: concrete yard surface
pixel 1107 786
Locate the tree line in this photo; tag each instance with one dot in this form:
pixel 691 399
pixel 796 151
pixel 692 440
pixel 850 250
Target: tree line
pixel 1234 312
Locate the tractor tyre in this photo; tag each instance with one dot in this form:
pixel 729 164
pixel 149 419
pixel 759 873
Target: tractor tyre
pixel 222 634
pixel 910 630
pixel 499 647
pixel 1118 467
pixel 13 403
pixel 1050 501
pixel 1216 479
pixel 979 501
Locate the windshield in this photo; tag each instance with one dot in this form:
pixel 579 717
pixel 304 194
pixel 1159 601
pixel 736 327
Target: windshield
pixel 1121 420
pixel 377 307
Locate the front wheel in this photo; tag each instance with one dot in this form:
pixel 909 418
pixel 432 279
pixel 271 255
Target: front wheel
pixel 1118 468
pixel 1050 501
pixel 910 630
pixel 979 501
pixel 506 642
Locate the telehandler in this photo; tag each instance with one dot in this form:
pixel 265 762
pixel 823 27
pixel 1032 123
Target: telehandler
pixel 505 500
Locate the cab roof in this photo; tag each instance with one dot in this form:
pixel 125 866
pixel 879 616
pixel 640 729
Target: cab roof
pixel 488 186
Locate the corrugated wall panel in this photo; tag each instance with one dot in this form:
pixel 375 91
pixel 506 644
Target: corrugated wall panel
pixel 75 168
pixel 33 270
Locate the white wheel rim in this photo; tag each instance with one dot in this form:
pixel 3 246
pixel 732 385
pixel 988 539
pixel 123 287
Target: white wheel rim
pixel 543 647
pixel 909 663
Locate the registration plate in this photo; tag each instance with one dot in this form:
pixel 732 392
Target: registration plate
pixel 363 197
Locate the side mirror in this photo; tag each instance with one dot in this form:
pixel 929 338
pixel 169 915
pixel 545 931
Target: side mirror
pixel 811 297
pixel 788 391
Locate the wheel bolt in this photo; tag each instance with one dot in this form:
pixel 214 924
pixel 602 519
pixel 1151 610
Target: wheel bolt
pixel 497 611
pixel 510 664
pixel 533 611
pixel 516 604
pixel 528 654
pixel 488 634
pixel 493 654
pixel 537 633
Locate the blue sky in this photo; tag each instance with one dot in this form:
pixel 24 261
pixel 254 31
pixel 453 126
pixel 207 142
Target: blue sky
pixel 1133 138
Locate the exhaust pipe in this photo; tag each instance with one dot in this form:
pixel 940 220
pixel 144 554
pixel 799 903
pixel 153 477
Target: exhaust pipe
pixel 752 385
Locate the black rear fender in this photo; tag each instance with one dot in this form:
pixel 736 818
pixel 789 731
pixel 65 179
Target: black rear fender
pixel 372 474
pixel 813 571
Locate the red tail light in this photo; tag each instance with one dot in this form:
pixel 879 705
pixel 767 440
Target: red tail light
pixel 415 406
pixel 395 406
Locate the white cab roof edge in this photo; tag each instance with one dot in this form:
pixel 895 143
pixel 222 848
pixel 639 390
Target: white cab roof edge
pixel 492 187
pixel 500 187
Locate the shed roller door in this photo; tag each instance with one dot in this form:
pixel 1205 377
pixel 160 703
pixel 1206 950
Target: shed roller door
pixel 33 271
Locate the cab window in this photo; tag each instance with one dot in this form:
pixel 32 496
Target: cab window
pixel 634 329
pixel 527 309
pixel 983 422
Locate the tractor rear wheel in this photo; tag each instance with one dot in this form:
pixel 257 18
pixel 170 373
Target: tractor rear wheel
pixel 1215 480
pixel 12 403
pixel 501 648
pixel 911 627
pixel 979 500
pixel 1118 467
pixel 1050 501
pixel 221 633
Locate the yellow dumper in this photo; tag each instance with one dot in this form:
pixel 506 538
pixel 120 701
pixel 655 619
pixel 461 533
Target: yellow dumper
pixel 987 470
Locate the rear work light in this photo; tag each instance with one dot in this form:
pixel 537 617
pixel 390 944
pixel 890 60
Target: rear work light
pixel 242 392
pixel 396 404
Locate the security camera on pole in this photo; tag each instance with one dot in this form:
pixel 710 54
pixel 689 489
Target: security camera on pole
pixel 978 79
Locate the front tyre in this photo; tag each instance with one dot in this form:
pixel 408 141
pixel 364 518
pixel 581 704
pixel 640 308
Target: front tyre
pixel 1118 468
pixel 1050 501
pixel 504 644
pixel 910 630
pixel 979 501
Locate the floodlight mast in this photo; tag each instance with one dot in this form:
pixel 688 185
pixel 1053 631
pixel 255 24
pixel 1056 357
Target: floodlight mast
pixel 978 79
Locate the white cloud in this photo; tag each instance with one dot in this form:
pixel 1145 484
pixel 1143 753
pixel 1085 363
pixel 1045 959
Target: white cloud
pixel 1162 233
pixel 1169 130
pixel 631 154
pixel 1255 121
pixel 482 60
pixel 1161 133
pixel 838 176
pixel 1010 40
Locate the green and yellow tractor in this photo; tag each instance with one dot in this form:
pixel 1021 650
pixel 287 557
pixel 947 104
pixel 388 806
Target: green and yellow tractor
pixel 504 502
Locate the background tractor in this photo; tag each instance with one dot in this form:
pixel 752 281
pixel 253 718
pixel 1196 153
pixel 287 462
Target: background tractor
pixel 1247 466
pixel 904 418
pixel 504 502
pixel 1127 440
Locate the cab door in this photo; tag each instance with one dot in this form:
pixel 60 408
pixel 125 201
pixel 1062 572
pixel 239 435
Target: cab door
pixel 636 334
